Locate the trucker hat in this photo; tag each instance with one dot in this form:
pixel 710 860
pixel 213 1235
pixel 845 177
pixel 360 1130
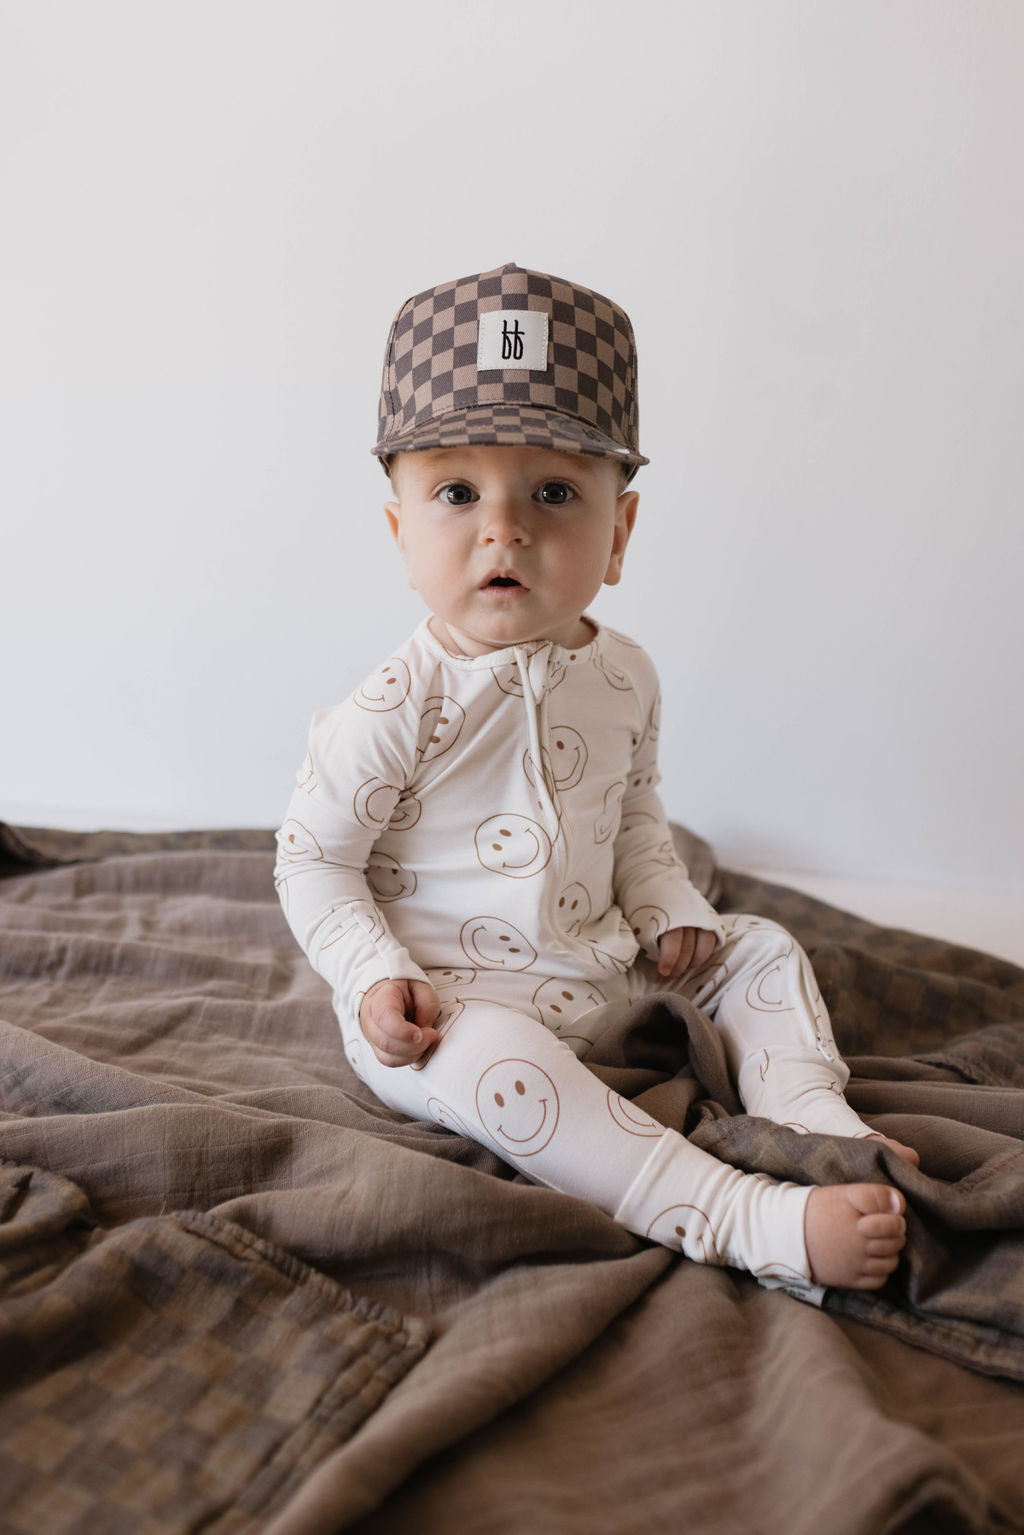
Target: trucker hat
pixel 510 357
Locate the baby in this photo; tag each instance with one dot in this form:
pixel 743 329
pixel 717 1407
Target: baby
pixel 475 856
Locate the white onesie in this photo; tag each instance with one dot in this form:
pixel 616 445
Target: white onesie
pixel 491 824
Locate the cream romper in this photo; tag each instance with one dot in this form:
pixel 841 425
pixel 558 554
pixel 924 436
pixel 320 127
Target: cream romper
pixel 492 825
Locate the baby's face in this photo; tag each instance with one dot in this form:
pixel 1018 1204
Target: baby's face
pixel 507 545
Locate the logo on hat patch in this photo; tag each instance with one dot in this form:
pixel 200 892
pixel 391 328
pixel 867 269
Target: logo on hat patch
pixel 512 338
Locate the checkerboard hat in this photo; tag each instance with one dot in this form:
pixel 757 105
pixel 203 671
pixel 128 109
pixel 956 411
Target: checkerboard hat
pixel 510 357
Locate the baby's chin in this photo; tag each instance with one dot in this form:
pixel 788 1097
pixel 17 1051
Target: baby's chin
pixel 458 643
pixel 462 642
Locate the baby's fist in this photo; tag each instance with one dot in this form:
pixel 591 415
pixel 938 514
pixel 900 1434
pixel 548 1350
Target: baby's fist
pixel 683 949
pixel 397 1017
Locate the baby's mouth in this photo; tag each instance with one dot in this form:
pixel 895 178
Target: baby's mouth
pixel 503 583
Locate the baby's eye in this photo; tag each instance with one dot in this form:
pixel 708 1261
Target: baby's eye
pixel 555 493
pixel 457 494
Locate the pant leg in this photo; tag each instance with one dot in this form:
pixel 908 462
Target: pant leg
pixel 503 1078
pixel 760 990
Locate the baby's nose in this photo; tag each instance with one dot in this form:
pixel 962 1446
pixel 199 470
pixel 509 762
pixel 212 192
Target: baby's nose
pixel 505 523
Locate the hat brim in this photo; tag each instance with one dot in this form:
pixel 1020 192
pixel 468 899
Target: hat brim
pixel 512 426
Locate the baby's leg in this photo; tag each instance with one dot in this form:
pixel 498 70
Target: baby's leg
pixel 504 1079
pixel 760 989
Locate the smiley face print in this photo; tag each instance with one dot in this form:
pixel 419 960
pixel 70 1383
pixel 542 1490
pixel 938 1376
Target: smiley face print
pixel 568 755
pixel 664 855
pixel 385 689
pixel 443 1114
pixel 784 1273
pixel 509 681
pixel 574 908
pixel 613 955
pixel 766 993
pixel 634 818
pixel 518 1106
pixel 357 916
pixel 297 843
pixel 386 877
pixel 556 673
pixel 607 823
pixel 670 1228
pixel 562 762
pixel 611 673
pixel 406 813
pixel 440 727
pixel 373 803
pixel 631 1119
pixel 451 980
pixel 560 1003
pixel 648 924
pixel 449 1012
pixel 305 778
pixel 531 776
pixel 495 944
pixel 643 780
pixel 713 980
pixel 512 845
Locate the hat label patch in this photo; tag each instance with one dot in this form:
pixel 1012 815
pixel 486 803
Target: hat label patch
pixel 512 338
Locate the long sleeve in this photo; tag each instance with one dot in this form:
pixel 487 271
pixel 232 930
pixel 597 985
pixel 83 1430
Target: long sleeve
pixel 333 888
pixel 651 883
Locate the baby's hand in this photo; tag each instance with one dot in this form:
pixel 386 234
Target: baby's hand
pixel 682 949
pixel 396 1017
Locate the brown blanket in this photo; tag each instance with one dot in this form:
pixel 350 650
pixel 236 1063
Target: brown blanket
pixel 366 1323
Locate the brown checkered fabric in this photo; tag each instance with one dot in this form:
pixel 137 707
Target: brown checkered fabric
pixel 174 1374
pixel 434 396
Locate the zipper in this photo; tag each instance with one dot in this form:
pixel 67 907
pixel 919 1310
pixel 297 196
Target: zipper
pixel 533 676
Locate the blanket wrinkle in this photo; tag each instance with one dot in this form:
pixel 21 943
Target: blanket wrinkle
pixel 751 1364
pixel 577 1379
pixel 173 1374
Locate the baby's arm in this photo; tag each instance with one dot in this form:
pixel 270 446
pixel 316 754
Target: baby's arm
pixel 675 925
pixel 358 765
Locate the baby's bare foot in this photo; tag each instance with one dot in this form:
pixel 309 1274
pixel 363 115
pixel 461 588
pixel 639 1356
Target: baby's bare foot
pixel 906 1152
pixel 854 1234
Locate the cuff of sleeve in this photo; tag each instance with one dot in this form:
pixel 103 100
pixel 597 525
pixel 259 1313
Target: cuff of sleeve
pixel 663 911
pixel 396 965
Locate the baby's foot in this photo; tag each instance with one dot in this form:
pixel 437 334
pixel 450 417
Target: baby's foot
pixel 801 1092
pixel 906 1152
pixel 854 1234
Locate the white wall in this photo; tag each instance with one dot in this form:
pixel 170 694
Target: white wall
pixel 814 213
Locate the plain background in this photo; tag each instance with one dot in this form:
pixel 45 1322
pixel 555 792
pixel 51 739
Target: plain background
pixel 814 213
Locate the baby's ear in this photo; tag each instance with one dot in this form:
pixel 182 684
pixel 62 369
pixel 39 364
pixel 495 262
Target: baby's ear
pixel 625 516
pixel 392 510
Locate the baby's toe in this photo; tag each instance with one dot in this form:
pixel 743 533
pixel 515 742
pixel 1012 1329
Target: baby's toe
pixel 886 1228
pixel 871 1281
pixel 876 1199
pixel 884 1247
pixel 906 1152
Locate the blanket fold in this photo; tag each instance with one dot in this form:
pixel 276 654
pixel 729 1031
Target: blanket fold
pixel 173 1374
pixel 369 1321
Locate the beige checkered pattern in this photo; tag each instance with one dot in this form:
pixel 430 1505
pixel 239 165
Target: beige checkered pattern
pixel 432 394
pixel 175 1374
